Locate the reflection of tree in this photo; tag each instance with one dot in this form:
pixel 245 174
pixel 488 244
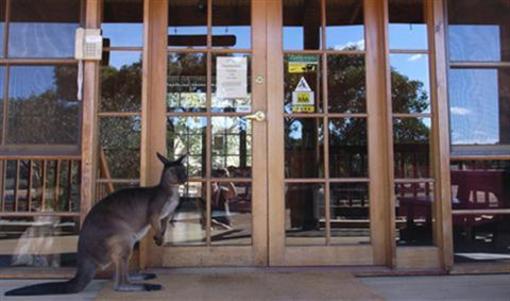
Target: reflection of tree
pixel 187 135
pixel 120 136
pixel 121 88
pixel 48 117
pixel 348 136
pixel 186 83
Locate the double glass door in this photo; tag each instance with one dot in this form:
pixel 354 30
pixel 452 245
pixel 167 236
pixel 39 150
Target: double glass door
pixel 269 101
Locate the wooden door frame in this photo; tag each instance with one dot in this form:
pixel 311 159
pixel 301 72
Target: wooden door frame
pixel 154 132
pixel 382 250
pixel 269 241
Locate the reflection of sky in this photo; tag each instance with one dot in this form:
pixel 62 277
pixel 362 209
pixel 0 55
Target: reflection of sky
pixel 123 34
pixel 408 36
pixel 121 58
pixel 242 34
pixel 37 39
pixel 26 81
pixel 415 67
pixel 474 106
pixel 474 42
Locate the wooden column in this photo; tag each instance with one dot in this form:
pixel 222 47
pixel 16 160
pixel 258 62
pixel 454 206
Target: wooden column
pixel 380 150
pixel 90 124
pixel 275 126
pixel 153 100
pixel 441 135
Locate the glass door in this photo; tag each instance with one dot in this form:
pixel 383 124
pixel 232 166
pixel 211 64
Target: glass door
pixel 214 110
pixel 323 118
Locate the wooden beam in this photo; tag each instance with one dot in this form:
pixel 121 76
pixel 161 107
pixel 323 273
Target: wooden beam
pixel 153 101
pixel 440 120
pixel 275 162
pixel 381 191
pixel 89 118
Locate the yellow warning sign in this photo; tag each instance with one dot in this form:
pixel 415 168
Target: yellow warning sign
pixel 303 98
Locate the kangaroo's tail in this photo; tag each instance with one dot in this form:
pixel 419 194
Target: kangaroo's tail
pixel 86 271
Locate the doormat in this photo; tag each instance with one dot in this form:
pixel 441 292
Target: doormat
pixel 249 284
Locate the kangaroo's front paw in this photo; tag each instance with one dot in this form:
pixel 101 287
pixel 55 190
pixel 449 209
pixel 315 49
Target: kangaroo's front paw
pixel 158 239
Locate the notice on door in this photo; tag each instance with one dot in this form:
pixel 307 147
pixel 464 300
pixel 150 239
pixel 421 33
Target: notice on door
pixel 231 77
pixel 303 98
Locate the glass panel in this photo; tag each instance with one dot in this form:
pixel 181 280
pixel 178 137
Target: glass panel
pixel 231 24
pixel 187 135
pixel 9 203
pixel 2 83
pixel 480 184
pixel 412 147
pixel 231 218
pixel 43 98
pixel 479 107
pixel 414 213
pixel 123 23
pixel 304 148
pixel 481 238
pixel 69 186
pixel 121 82
pixel 478 30
pixel 187 82
pixel 348 147
pixel 410 83
pixel 301 30
pixel 304 214
pixel 187 23
pixel 103 189
pixel 2 25
pixel 43 28
pixel 407 28
pixel 231 147
pixel 303 84
pixel 232 73
pixel 42 241
pixel 345 25
pixel 189 220
pixel 346 84
pixel 119 139
pixel 350 223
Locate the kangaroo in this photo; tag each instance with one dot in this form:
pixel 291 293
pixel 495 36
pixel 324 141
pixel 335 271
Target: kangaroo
pixel 111 229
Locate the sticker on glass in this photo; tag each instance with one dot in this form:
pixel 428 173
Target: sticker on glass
pixel 303 63
pixel 303 98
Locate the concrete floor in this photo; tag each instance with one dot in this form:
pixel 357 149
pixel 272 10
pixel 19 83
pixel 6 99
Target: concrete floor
pixel 465 287
pixel 292 284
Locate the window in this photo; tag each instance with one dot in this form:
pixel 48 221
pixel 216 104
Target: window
pixel 479 98
pixel 120 104
pixel 479 102
pixel 39 109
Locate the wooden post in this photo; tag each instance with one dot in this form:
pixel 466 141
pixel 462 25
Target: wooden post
pixel 153 100
pixel 380 150
pixel 90 120
pixel 441 151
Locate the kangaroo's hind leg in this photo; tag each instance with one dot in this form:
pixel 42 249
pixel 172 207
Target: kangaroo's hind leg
pixel 120 254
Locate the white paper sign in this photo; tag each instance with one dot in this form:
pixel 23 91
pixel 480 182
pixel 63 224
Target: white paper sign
pixel 231 77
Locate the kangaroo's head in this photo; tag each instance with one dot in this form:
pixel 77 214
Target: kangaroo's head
pixel 174 172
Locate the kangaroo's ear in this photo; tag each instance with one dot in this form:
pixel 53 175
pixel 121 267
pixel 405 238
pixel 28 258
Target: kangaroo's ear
pixel 162 158
pixel 179 161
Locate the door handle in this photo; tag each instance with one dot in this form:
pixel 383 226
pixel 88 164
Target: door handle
pixel 257 116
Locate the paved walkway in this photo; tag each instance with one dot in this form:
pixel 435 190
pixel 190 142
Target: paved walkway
pixel 292 284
